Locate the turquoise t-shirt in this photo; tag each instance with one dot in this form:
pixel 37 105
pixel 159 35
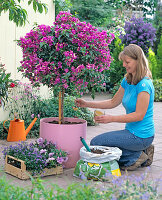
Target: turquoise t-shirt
pixel 144 128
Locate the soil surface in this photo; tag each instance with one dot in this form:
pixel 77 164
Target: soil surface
pixel 65 122
pixel 97 151
pixel 14 163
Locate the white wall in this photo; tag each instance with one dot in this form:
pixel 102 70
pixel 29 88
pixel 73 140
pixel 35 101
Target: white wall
pixel 10 53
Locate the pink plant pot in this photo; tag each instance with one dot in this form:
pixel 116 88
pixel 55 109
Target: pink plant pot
pixel 66 136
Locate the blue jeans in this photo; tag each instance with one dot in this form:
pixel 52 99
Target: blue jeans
pixel 131 145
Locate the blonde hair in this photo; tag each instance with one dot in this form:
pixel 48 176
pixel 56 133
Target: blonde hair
pixel 135 52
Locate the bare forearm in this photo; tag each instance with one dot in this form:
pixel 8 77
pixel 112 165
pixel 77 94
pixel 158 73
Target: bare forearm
pixel 107 104
pixel 127 118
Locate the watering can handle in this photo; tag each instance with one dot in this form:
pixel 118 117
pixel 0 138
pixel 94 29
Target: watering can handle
pixel 4 125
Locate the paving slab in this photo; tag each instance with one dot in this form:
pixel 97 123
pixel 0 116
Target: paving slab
pixel 63 180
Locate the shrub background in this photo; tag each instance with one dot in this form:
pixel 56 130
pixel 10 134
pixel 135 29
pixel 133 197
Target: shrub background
pixel 138 32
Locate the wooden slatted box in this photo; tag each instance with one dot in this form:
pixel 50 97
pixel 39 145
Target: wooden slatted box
pixel 17 167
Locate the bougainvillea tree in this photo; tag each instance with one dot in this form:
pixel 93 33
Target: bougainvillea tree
pixel 139 32
pixel 68 55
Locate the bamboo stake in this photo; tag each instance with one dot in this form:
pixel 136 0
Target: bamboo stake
pixel 60 107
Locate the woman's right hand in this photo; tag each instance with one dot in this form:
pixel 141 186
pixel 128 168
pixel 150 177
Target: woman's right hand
pixel 80 103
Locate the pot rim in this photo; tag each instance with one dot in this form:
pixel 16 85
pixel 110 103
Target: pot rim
pixel 69 119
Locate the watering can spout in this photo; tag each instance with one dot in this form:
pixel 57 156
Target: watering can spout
pixel 30 126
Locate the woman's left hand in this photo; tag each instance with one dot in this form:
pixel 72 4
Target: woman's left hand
pixel 103 119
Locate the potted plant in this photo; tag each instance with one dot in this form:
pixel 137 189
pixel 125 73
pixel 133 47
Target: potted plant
pixel 37 158
pixel 69 56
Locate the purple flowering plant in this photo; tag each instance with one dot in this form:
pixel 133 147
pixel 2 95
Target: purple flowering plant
pixel 139 32
pixel 37 155
pixel 71 55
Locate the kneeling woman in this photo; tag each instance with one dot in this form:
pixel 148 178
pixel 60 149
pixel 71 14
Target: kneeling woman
pixel 136 93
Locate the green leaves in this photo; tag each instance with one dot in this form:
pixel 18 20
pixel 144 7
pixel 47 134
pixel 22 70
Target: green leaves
pixel 62 5
pixel 17 14
pixel 39 6
pixel 29 2
pixel 5 82
pixel 97 12
pixel 158 91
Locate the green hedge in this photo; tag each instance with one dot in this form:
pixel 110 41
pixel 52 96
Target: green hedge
pixel 158 90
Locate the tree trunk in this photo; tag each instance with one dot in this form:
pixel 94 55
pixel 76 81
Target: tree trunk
pixel 61 106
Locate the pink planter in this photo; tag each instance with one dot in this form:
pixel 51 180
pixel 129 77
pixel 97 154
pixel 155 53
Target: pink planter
pixel 66 136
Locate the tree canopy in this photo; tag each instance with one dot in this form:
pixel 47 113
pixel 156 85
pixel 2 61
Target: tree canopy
pixel 96 12
pixel 148 7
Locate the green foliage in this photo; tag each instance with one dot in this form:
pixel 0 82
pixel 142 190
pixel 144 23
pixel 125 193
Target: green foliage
pixel 148 7
pixel 158 89
pixel 3 132
pixel 96 12
pixel 159 59
pixel 17 14
pixel 152 63
pixel 8 191
pixel 158 37
pixel 114 89
pixel 62 6
pixel 158 25
pixel 116 72
pixel 39 191
pixel 124 187
pixel 5 83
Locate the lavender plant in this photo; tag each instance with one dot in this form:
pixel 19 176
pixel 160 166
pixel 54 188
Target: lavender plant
pixel 38 155
pixel 138 32
pixel 123 188
pixel 133 187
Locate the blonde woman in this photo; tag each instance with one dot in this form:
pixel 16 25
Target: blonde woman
pixel 136 93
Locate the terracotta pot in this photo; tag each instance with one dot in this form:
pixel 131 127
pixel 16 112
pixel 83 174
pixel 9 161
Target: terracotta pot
pixel 66 136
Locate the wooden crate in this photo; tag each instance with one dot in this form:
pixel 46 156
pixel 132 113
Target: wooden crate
pixel 21 172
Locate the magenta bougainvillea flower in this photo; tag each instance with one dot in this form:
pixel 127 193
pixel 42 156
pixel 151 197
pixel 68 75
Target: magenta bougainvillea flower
pixel 69 54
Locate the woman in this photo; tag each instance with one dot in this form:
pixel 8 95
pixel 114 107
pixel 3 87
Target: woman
pixel 136 93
